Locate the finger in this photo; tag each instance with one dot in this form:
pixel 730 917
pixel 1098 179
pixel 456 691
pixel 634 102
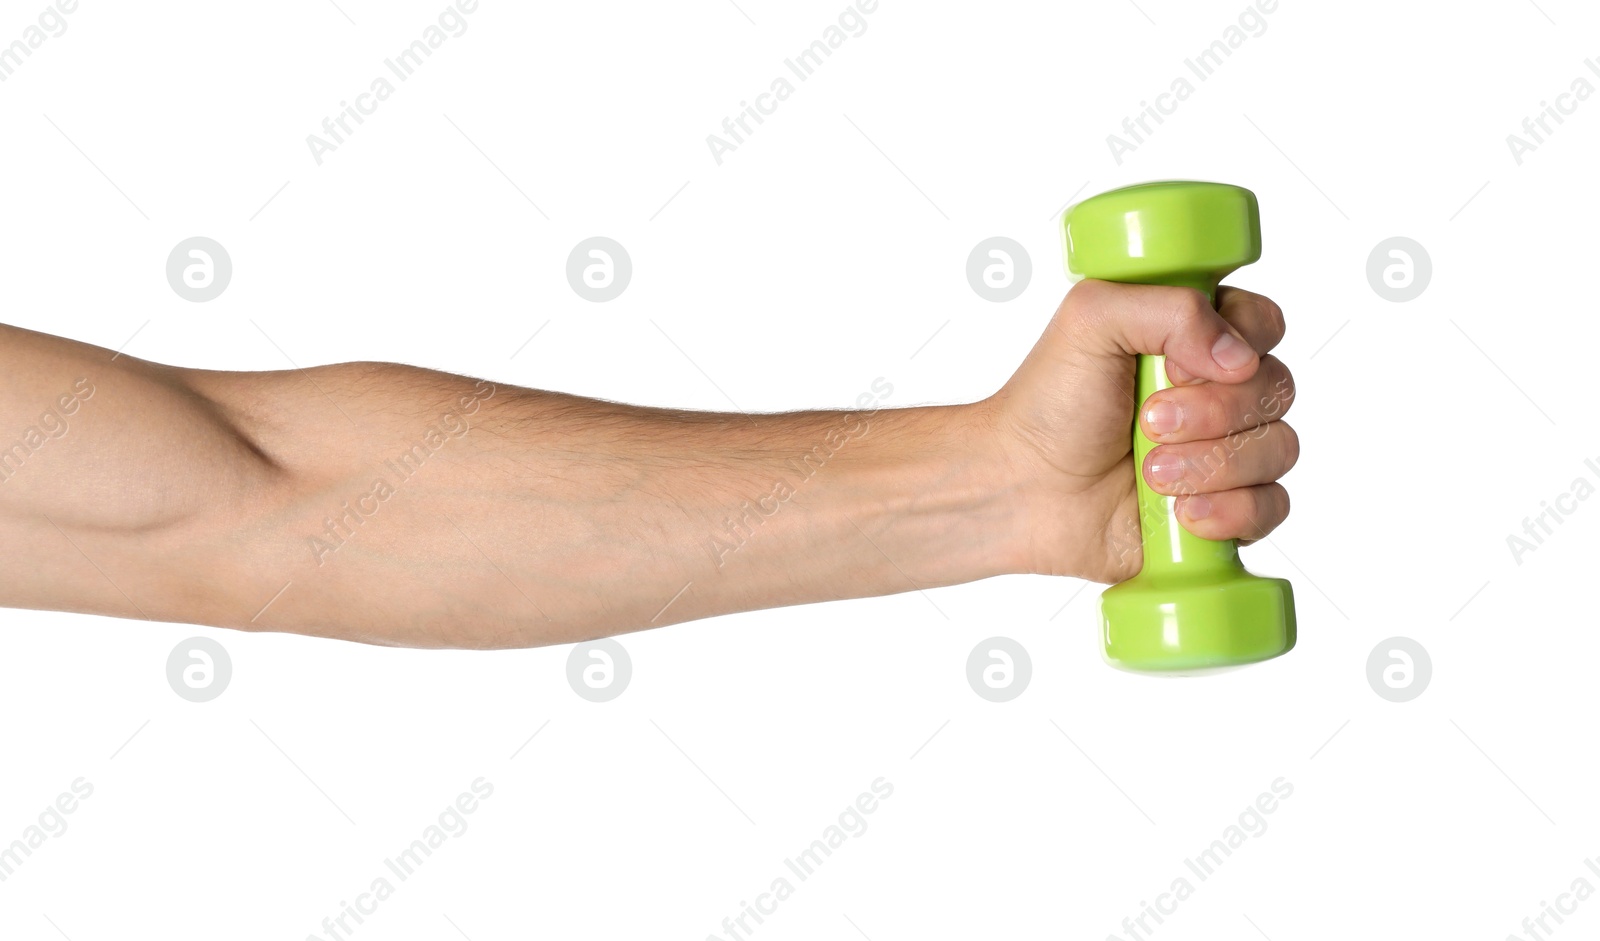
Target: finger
pixel 1258 319
pixel 1211 410
pixel 1247 514
pixel 1178 323
pixel 1246 459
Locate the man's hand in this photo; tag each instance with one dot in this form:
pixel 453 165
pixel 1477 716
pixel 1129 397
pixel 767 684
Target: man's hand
pixel 1221 442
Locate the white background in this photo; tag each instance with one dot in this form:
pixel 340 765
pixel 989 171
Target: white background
pixel 824 252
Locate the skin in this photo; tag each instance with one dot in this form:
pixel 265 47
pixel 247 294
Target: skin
pixel 251 500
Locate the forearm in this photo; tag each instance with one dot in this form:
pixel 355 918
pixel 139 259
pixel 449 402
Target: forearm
pixel 398 505
pixel 540 518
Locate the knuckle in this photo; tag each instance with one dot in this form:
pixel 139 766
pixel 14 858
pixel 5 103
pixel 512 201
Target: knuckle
pixel 1278 393
pixel 1258 514
pixel 1276 371
pixel 1085 293
pixel 1270 506
pixel 1211 466
pixel 1216 411
pixel 1089 296
pixel 1282 379
pixel 1080 299
pixel 1245 414
pixel 1291 445
pixel 1260 503
pixel 1271 315
pixel 1246 522
pixel 1191 308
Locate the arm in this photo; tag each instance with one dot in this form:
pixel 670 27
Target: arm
pixel 396 505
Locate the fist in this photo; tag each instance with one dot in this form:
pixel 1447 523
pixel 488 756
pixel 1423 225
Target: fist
pixel 1065 420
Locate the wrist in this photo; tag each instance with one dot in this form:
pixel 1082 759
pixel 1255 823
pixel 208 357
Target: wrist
pixel 965 502
pixel 1061 521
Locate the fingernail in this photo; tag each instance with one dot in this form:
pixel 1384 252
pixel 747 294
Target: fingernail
pixel 1196 507
pixel 1167 470
pixel 1230 352
pixel 1163 418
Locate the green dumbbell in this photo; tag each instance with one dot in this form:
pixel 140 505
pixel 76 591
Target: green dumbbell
pixel 1193 608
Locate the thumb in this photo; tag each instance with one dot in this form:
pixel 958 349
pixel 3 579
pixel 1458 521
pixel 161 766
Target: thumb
pixel 1115 320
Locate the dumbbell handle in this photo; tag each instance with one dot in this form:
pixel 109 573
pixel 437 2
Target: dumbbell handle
pixel 1167 545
